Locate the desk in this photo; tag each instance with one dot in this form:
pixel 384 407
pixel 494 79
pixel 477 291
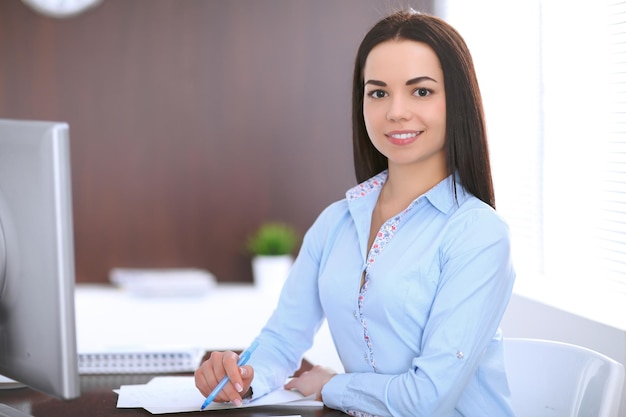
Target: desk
pixel 108 319
pixel 99 400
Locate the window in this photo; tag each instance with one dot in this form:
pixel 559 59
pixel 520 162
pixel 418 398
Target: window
pixel 612 227
pixel 553 78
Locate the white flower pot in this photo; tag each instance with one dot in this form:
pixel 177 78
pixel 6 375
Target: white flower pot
pixel 269 272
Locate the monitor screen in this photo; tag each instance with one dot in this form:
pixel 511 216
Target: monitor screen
pixel 37 322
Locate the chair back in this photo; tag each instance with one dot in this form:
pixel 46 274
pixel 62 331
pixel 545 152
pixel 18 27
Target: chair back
pixel 555 379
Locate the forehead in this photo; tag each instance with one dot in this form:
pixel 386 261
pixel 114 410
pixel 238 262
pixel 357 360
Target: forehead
pixel 402 59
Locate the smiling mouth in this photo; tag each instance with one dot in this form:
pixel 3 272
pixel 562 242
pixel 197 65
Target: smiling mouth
pixel 403 136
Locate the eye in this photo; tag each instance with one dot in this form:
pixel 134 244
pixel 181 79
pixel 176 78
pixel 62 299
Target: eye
pixel 377 94
pixel 422 92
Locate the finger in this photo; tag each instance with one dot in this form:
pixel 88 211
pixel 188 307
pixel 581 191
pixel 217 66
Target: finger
pixel 247 375
pixel 219 372
pixel 292 384
pixel 204 376
pixel 234 388
pixel 201 381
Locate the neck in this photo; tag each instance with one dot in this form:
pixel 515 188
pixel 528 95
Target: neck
pixel 407 182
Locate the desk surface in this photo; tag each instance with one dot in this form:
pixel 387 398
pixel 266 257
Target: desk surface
pixel 98 399
pixel 106 314
pixel 109 319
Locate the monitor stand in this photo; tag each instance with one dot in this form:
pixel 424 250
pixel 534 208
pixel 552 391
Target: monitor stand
pixel 8 383
pixel 5 410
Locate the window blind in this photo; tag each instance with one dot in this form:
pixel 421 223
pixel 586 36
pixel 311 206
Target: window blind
pixel 553 78
pixel 612 226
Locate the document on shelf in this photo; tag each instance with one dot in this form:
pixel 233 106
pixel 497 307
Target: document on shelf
pixel 140 360
pixel 177 394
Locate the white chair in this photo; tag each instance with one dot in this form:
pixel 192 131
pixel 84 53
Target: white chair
pixel 554 379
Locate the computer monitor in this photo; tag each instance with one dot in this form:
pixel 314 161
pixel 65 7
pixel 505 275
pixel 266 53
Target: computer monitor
pixel 37 322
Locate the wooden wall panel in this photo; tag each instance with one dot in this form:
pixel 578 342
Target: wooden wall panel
pixel 191 121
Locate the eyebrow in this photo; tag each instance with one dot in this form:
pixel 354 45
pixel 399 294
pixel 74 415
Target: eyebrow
pixel 412 81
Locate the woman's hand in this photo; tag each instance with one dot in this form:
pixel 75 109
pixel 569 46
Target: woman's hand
pixel 219 364
pixel 312 382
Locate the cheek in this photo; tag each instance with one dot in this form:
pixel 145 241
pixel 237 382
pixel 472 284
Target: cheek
pixel 441 112
pixel 372 119
pixel 367 119
pixel 435 116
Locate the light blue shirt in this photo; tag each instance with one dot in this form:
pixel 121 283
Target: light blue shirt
pixel 421 337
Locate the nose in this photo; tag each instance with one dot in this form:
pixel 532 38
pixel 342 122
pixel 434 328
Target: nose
pixel 398 109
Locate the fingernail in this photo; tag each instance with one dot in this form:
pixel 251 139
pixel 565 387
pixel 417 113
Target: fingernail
pixel 238 387
pixel 237 402
pixel 243 371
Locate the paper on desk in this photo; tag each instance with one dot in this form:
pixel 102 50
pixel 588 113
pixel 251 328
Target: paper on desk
pixel 176 394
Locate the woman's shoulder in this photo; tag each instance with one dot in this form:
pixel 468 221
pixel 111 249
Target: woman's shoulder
pixel 475 213
pixel 326 225
pixel 333 212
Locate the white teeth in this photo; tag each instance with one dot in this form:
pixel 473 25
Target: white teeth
pixel 404 135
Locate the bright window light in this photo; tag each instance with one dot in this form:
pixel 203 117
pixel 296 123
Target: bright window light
pixel 553 78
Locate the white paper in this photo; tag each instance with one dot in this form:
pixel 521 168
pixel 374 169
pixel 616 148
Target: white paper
pixel 175 394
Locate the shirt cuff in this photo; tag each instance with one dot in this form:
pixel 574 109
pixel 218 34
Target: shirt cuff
pixel 333 392
pixel 259 389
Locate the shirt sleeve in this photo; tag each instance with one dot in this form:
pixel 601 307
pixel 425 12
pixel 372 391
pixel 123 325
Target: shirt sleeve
pixel 290 330
pixel 474 288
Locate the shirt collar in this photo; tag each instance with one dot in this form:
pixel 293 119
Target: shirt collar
pixel 442 196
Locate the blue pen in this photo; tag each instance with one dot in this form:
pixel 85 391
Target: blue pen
pixel 243 359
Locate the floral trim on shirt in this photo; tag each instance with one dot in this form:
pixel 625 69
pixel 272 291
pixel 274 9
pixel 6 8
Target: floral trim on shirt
pixel 366 187
pixel 384 236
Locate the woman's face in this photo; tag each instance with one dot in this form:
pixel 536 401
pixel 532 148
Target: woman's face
pixel 404 104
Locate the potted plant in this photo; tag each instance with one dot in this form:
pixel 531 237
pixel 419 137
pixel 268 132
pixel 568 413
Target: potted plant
pixel 272 247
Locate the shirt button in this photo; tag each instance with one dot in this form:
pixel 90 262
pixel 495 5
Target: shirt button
pixel 459 355
pixel 366 358
pixel 356 315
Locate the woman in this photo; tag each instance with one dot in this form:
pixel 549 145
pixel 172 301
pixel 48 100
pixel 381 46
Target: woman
pixel 412 269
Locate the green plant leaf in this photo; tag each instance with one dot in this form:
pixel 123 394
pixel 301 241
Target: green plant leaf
pixel 273 239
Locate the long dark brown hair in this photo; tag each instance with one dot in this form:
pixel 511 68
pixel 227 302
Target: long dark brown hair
pixel 467 153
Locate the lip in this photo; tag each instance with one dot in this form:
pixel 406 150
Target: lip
pixel 403 137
